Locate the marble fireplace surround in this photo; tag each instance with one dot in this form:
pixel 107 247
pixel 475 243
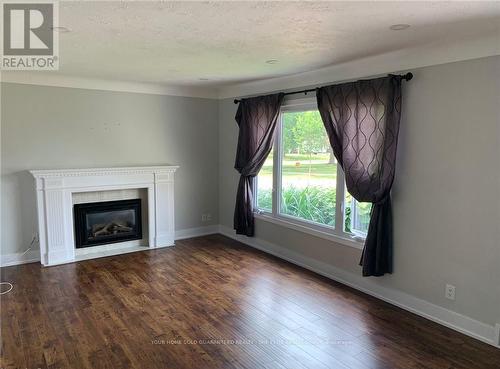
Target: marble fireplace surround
pixel 55 190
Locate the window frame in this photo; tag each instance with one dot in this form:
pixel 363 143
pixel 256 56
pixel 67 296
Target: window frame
pixel 335 233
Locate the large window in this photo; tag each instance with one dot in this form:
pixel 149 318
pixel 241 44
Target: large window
pixel 301 183
pixel 264 184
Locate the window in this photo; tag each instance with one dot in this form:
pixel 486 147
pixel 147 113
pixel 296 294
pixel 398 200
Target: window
pixel 264 185
pixel 357 216
pixel 301 182
pixel 308 171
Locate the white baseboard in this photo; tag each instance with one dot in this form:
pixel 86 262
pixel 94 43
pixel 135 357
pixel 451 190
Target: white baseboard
pixel 34 255
pixel 438 314
pixel 20 258
pixel 196 232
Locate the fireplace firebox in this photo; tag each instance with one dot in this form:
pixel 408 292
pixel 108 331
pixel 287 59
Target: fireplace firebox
pixel 106 222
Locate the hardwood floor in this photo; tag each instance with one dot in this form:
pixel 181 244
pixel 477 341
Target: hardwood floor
pixel 211 302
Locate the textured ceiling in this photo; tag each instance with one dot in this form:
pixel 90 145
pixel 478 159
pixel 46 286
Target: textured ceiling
pixel 180 43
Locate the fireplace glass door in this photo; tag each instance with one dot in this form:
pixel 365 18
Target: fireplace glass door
pixel 107 222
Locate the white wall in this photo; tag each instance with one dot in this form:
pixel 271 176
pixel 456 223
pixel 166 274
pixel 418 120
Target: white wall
pixel 53 127
pixel 446 194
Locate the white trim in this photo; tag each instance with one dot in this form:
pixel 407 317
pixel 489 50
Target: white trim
pixel 33 256
pixel 299 105
pixel 497 334
pixel 438 314
pixel 392 62
pixel 159 169
pixel 54 79
pixel 196 232
pixel 309 102
pixel 399 60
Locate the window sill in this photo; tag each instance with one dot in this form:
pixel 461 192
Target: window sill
pixel 347 241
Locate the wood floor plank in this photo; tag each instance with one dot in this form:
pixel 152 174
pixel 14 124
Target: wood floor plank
pixel 211 302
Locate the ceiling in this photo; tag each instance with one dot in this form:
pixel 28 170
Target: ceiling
pixel 222 43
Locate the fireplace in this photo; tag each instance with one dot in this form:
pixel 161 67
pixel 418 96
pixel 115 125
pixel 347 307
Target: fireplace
pixel 100 223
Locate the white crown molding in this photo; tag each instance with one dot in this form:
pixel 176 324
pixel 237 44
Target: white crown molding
pixel 438 314
pixel 392 62
pixel 436 53
pixel 56 80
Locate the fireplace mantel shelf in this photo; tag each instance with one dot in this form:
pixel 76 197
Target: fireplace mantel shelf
pixel 40 173
pixel 55 188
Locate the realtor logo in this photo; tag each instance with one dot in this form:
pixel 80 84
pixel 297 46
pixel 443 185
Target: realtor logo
pixel 28 37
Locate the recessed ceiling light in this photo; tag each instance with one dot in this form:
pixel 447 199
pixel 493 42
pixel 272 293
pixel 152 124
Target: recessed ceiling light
pixel 61 29
pixel 203 79
pixel 272 61
pixel 399 27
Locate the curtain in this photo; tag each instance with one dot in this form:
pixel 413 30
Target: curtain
pixel 362 122
pixel 256 118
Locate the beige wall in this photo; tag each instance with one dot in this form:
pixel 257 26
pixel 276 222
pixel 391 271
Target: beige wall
pixel 52 127
pixel 446 193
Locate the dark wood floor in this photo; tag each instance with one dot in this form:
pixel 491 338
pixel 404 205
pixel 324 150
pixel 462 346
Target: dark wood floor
pixel 211 302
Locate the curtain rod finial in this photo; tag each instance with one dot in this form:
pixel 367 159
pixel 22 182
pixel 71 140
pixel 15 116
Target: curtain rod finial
pixel 236 101
pixel 408 76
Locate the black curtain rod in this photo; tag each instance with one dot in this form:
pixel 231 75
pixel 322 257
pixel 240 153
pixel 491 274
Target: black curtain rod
pixel 408 76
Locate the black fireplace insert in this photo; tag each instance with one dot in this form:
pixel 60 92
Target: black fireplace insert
pixel 100 223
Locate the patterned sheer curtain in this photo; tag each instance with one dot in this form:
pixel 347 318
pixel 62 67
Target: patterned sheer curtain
pixel 256 118
pixel 362 121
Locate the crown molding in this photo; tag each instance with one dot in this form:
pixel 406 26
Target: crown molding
pixel 57 80
pixel 438 52
pixel 393 62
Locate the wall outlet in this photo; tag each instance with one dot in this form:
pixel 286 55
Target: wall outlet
pixel 449 292
pixel 206 217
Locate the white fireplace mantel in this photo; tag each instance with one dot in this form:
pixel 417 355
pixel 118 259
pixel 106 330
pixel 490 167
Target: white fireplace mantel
pixel 54 193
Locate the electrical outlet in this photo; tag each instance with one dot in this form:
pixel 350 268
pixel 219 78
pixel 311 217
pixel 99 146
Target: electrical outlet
pixel 449 292
pixel 207 217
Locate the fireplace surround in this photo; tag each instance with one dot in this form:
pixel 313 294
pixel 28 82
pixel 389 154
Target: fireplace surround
pixel 54 193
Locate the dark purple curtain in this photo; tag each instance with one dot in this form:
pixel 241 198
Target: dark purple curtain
pixel 362 122
pixel 256 118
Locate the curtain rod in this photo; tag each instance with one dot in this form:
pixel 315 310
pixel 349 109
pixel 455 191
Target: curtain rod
pixel 408 76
